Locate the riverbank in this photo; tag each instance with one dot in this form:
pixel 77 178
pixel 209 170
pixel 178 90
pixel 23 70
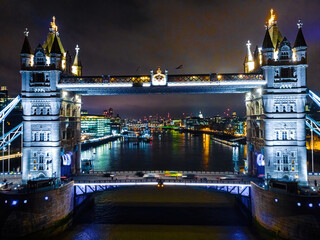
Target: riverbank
pixel 97 142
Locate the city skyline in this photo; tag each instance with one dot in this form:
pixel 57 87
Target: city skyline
pixel 138 36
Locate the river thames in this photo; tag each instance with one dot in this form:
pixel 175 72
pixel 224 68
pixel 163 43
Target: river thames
pixel 167 213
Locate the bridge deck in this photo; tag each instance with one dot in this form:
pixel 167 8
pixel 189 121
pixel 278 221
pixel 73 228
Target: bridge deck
pixel 179 84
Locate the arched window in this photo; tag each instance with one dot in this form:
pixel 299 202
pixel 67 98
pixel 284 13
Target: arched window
pixel 284 135
pixel 291 108
pixel 41 137
pixel 277 135
pixel 284 108
pixel 277 108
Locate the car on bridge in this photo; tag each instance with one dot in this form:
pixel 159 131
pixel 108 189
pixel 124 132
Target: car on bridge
pixel 172 174
pixel 189 176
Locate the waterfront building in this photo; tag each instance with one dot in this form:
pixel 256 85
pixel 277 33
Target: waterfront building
pixel 95 126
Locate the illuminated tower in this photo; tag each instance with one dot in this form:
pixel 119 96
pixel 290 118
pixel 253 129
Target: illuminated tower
pixel 51 117
pixel 41 107
pixel 284 101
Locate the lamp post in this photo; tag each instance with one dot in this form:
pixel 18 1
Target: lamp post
pixel 312 166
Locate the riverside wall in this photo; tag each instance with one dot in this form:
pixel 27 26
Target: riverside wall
pixel 286 215
pixel 36 215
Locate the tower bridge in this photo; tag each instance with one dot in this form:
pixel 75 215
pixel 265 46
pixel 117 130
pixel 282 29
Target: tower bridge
pixel 274 81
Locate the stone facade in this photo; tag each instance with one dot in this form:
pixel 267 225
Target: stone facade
pixel 287 216
pixel 27 213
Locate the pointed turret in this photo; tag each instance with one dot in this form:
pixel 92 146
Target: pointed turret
pixel 267 43
pixel 300 45
pixel 267 48
pixel 274 32
pixel 55 48
pixel 55 54
pixel 300 42
pixel 26 51
pixel 26 47
pixel 77 66
pixel 248 63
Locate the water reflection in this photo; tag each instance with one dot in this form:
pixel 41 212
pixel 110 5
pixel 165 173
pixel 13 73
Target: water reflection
pixel 171 151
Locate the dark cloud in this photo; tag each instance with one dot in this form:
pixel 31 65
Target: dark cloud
pixel 116 37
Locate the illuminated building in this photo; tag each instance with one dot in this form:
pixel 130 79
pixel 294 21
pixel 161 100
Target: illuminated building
pixel 276 116
pixel 51 117
pixel 95 126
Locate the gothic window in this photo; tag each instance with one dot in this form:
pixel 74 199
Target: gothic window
pixel 278 168
pixel 41 137
pixel 284 108
pixel 292 134
pixel 277 108
pixel 48 154
pixel 38 77
pixel 278 154
pixel 41 159
pixel 41 111
pixel 34 111
pixel 291 108
pixel 277 135
pixel 35 136
pixel 48 111
pixel 285 159
pixel 284 135
pixel 48 136
pixel 34 154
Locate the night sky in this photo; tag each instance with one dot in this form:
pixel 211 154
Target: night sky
pixel 116 37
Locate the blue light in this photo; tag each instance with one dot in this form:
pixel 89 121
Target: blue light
pixel 14 202
pixel 299 204
pixel 276 199
pixel 46 198
pixel 6 201
pixel 310 205
pixel 25 201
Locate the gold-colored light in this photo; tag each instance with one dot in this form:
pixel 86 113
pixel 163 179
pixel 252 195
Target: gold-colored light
pixel 53 24
pixel 272 17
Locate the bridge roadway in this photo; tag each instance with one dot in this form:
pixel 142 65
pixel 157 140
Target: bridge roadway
pixel 178 84
pixel 221 181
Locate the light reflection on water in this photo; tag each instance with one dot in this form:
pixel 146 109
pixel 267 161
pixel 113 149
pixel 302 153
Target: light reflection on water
pixel 171 213
pixel 171 151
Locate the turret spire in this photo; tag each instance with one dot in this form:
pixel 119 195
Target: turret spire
pixel 26 32
pixel 300 41
pixel 77 66
pixel 26 48
pixel 54 27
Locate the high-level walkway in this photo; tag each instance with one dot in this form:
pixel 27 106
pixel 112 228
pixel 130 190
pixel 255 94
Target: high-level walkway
pixel 141 84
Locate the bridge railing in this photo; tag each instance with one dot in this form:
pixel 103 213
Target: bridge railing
pixel 213 77
pixel 160 172
pixel 142 180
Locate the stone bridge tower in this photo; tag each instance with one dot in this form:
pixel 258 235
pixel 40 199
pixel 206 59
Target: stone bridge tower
pixel 284 101
pixel 50 116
